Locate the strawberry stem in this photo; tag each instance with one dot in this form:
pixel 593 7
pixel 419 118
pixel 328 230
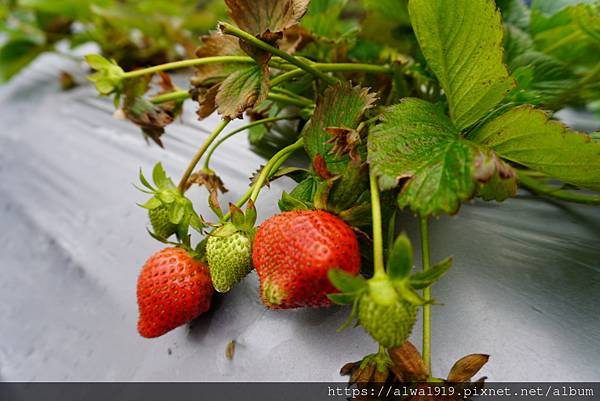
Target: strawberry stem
pixel 275 161
pixel 424 229
pixel 200 153
pixel 377 228
pixel 188 63
pixel 232 30
pixel 242 129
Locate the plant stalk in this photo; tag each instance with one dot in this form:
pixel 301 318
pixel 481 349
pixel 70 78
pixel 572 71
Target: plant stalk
pixel 539 188
pixel 424 229
pixel 242 129
pixel 188 63
pixel 232 30
pixel 276 160
pixel 379 269
pixel 200 153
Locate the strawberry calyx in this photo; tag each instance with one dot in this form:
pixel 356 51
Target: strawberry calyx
pixel 386 288
pixel 170 211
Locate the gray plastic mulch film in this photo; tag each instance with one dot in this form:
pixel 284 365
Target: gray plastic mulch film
pixel 524 287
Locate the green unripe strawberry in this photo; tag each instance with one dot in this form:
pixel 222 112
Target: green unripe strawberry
pixel 389 324
pixel 161 225
pixel 229 258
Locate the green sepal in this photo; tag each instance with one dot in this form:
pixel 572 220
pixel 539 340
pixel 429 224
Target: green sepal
pixel 237 216
pixel 404 290
pixel 343 298
pixel 346 282
pixel 177 211
pixel 159 176
pixel 145 182
pixel 166 196
pixel 152 203
pixel 424 279
pixel 352 315
pixel 196 221
pixel 400 260
pixel 250 216
pixel 225 230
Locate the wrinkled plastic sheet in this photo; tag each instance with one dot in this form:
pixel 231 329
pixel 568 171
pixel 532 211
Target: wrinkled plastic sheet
pixel 524 287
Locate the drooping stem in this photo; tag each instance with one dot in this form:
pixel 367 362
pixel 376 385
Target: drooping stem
pixel 182 95
pixel 242 129
pixel 188 63
pixel 267 171
pixel 171 97
pixel 538 187
pixel 232 30
pixel 379 269
pixel 424 229
pixel 200 153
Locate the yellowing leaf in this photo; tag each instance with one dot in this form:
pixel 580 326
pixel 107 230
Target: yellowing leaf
pixel 462 42
pixel 242 90
pixel 526 136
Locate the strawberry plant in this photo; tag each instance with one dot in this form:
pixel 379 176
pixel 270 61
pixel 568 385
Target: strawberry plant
pixel 418 105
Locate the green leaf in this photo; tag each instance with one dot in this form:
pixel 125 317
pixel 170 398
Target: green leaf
pixel 417 141
pixel 526 136
pixel 242 90
pixel 15 55
pixel 462 42
pixel 288 203
pixel 345 281
pixel 342 105
pixel 108 77
pixel 400 260
pixel 424 279
pixel 322 18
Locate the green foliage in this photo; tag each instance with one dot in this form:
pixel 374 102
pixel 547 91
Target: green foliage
pixel 526 136
pixel 462 42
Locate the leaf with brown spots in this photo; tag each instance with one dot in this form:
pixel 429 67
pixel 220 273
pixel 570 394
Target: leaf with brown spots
pixel 260 16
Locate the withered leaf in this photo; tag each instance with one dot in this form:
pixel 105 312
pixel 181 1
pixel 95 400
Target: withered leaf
pixel 151 118
pixel 466 367
pixel 260 16
pixel 210 180
pixel 407 364
pixel 207 100
pixel 345 141
pixel 216 44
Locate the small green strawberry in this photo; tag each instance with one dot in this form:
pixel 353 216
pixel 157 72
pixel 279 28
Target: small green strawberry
pixel 229 249
pixel 386 305
pixel 170 212
pixel 389 324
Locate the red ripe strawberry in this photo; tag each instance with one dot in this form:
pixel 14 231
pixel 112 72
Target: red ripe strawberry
pixel 293 252
pixel 173 288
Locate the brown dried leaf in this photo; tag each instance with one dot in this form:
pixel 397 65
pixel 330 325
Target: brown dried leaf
pixel 407 363
pixel 207 99
pixel 345 141
pixel 152 119
pixel 211 181
pixel 259 16
pixel 465 368
pixel 216 44
pixel 295 39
